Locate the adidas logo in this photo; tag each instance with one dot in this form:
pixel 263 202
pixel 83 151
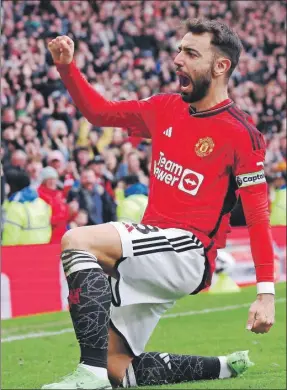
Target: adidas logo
pixel 166 359
pixel 168 132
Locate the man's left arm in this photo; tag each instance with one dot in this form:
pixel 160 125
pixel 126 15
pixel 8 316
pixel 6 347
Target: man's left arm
pixel 250 178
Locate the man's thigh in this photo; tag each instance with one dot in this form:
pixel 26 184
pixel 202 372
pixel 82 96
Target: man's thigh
pixel 157 266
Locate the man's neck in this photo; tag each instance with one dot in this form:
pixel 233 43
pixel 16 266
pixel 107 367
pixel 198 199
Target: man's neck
pixel 210 101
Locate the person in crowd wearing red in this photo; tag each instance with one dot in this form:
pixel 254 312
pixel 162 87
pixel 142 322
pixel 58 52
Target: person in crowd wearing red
pixel 61 211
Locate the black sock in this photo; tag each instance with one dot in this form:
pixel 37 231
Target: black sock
pixel 154 368
pixel 90 301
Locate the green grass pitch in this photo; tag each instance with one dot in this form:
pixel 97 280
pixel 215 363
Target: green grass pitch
pixel 29 362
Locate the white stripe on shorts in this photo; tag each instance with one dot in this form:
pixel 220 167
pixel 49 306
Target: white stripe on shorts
pixel 150 245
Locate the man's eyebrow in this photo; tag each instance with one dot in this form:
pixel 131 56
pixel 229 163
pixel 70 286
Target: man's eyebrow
pixel 185 48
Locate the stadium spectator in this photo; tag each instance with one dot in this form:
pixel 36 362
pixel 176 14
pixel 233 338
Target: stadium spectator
pixel 8 118
pixel 94 199
pixel 61 211
pixel 103 176
pixel 82 157
pixel 19 159
pixel 71 177
pixel 56 160
pixel 111 163
pixel 132 166
pixel 34 170
pixel 26 216
pixel 131 199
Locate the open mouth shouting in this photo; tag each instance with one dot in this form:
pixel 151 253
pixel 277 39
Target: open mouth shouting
pixel 184 80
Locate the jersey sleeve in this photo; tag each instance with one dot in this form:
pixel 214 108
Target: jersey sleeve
pixel 248 170
pixel 138 116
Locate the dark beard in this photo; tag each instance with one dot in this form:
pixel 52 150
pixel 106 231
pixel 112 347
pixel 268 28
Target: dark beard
pixel 199 90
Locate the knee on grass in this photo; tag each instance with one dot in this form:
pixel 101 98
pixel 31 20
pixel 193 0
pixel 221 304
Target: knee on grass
pixel 117 367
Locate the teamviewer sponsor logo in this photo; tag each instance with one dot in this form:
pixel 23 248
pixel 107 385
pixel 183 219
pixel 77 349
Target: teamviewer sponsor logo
pixel 174 174
pixel 190 182
pixel 250 179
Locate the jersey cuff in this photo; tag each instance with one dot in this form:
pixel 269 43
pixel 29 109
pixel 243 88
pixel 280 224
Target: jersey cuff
pixel 65 68
pixel 265 288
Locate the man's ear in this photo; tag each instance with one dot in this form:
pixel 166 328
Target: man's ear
pixel 221 66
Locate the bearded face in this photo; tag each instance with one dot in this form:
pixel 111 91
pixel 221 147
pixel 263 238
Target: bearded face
pixel 193 89
pixel 195 64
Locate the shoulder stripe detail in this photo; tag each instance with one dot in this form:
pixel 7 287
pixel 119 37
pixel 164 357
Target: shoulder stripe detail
pixel 262 142
pixel 251 127
pixel 255 144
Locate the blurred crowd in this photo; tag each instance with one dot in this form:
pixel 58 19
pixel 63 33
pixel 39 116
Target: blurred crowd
pixel 51 156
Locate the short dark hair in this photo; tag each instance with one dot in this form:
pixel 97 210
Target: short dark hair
pixel 130 179
pixel 17 179
pixel 224 39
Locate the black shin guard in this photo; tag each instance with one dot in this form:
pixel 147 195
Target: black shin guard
pixel 90 301
pixel 154 368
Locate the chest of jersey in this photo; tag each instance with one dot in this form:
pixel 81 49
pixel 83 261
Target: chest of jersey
pixel 192 155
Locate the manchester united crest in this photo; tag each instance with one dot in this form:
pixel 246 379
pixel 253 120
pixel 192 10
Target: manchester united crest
pixel 204 147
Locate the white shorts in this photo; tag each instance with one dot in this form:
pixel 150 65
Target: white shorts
pixel 158 267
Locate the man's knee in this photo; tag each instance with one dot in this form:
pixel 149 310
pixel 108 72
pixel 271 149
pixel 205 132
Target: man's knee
pixel 103 241
pixel 71 239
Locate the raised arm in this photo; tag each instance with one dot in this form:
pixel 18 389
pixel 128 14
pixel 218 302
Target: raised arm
pixel 138 116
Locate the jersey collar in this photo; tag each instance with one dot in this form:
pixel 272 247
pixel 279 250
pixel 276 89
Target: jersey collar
pixel 213 110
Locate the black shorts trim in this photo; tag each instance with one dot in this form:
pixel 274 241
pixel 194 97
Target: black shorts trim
pixel 206 278
pixel 116 298
pixel 115 329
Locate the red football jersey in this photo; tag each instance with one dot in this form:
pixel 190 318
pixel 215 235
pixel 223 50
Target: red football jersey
pixel 199 161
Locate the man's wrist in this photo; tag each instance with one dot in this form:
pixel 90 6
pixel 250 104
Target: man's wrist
pixel 265 288
pixel 65 68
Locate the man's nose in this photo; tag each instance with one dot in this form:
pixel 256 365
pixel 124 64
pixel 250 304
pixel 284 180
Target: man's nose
pixel 178 61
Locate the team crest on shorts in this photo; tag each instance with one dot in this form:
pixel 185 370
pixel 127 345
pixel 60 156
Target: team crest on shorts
pixel 204 147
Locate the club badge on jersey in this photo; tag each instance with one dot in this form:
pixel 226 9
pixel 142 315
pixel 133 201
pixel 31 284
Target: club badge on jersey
pixel 204 147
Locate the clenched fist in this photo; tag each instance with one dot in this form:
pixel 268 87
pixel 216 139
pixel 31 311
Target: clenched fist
pixel 62 50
